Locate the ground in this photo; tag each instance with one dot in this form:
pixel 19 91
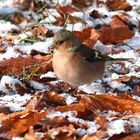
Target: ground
pixel 35 105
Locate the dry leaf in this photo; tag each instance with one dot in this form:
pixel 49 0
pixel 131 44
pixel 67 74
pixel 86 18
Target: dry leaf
pixel 66 17
pixel 62 133
pixel 101 120
pixel 2 49
pixel 16 65
pixel 109 35
pixel 41 32
pixel 55 122
pixel 5 110
pixel 118 5
pixel 123 79
pixel 95 14
pixel 18 18
pixel 81 106
pixel 88 36
pixel 67 9
pixel 116 51
pixel 100 134
pixel 18 123
pixel 41 100
pixel 122 69
pixel 137 90
pixel 110 102
pixel 118 22
pixel 31 5
pixel 82 3
pixel 135 136
pixel 31 135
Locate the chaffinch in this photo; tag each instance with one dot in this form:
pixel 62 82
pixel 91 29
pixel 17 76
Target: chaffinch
pixel 75 63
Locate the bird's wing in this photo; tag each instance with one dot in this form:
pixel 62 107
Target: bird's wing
pixel 91 55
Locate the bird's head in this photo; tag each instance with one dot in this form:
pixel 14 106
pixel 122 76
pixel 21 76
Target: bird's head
pixel 64 38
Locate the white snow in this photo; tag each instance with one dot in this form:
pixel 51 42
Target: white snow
pixel 75 27
pixel 8 84
pixel 17 138
pixel 95 87
pixel 53 114
pixel 48 74
pixel 69 99
pixel 39 46
pixel 38 86
pixel 10 53
pixel 6 7
pixel 91 125
pixel 15 102
pixel 120 86
pixel 63 2
pixel 6 26
pixel 12 100
pixel 116 127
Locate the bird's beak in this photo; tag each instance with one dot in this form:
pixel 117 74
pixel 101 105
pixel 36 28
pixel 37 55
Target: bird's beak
pixel 51 48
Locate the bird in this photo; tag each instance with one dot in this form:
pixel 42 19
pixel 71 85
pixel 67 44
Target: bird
pixel 76 63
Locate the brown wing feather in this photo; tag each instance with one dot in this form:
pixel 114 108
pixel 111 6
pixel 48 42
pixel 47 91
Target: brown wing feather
pixel 91 55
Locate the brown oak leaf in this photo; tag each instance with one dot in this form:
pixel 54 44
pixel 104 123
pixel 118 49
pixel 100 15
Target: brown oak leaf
pixel 118 5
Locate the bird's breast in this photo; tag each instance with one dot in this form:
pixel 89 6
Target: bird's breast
pixel 62 64
pixel 73 69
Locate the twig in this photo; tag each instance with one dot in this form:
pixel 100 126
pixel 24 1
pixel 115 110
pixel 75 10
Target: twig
pixel 41 9
pixel 129 46
pixel 65 24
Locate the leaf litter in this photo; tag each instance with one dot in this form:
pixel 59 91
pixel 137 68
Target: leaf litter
pixel 35 105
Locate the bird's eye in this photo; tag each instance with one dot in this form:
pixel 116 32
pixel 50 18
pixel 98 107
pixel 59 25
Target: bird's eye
pixel 61 42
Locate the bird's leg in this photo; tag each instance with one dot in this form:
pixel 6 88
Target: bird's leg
pixel 74 90
pixel 105 85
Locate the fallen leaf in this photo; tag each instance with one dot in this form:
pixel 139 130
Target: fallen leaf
pixel 66 17
pixel 109 35
pixel 55 122
pixel 31 5
pixel 106 35
pixel 116 50
pixel 121 69
pixel 110 102
pixel 17 123
pixel 82 3
pixel 88 36
pixel 42 100
pixel 123 79
pixel 100 134
pixel 137 90
pixel 101 120
pixel 68 9
pixel 62 133
pixel 41 32
pixel 118 5
pixel 5 110
pixel 16 65
pixel 81 106
pixel 117 22
pixel 95 14
pixel 135 136
pixel 31 135
pixel 18 18
pixel 2 49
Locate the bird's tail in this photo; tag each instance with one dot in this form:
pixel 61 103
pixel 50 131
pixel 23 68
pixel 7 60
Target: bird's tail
pixel 112 60
pixel 121 59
